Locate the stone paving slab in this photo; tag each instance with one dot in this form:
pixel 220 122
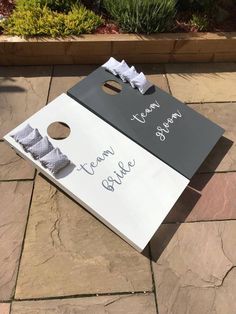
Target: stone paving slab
pixel 154 73
pixel 223 155
pixel 120 304
pixel 213 200
pixel 65 76
pixel 5 308
pixel 14 205
pixel 23 91
pixel 202 82
pixel 67 251
pixel 195 268
pixel 12 166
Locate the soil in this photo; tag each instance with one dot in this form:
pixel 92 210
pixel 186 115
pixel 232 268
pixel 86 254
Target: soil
pixel 108 28
pixel 6 7
pixel 228 25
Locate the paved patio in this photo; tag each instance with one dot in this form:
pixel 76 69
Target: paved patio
pixel 57 258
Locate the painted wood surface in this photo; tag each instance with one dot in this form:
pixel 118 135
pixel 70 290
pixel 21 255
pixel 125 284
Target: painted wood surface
pixel 158 122
pixel 118 181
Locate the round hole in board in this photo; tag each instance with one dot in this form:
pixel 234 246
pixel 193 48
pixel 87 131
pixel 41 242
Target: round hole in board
pixel 111 87
pixel 58 130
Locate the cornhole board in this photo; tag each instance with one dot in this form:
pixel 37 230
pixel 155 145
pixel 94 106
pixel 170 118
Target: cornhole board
pixel 158 122
pixel 147 188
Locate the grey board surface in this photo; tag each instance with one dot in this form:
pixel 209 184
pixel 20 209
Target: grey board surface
pixel 168 129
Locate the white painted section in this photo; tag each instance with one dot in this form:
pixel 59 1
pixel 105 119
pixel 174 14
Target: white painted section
pixel 135 208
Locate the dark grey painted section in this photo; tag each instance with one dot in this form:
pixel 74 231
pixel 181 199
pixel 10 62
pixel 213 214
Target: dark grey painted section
pixel 190 139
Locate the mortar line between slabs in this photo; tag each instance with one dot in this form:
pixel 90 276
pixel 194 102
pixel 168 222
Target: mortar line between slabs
pixel 10 308
pixel 15 180
pixel 216 172
pixel 50 84
pixel 197 221
pixel 153 278
pixel 168 83
pixel 24 236
pixel 210 102
pixel 85 295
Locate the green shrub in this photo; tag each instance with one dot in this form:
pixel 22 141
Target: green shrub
pixel 42 21
pixel 80 21
pixel 30 19
pixel 142 16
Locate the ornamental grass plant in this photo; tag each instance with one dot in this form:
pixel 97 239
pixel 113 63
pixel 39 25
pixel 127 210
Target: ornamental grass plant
pixel 142 16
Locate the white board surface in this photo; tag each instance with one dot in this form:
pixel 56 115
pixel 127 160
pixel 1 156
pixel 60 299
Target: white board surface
pixel 136 205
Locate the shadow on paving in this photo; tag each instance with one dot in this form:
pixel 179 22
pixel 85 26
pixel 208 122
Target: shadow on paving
pixel 73 70
pixel 9 88
pixel 166 231
pixel 9 72
pixel 84 70
pixel 189 69
pixel 215 157
pixel 187 201
pixel 211 163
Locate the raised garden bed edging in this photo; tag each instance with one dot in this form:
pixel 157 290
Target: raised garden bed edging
pixel 96 49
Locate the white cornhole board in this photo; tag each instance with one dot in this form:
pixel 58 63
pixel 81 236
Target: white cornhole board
pixel 138 205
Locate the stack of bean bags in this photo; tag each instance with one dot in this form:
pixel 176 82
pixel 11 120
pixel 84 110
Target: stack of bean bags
pixel 41 149
pixel 128 74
